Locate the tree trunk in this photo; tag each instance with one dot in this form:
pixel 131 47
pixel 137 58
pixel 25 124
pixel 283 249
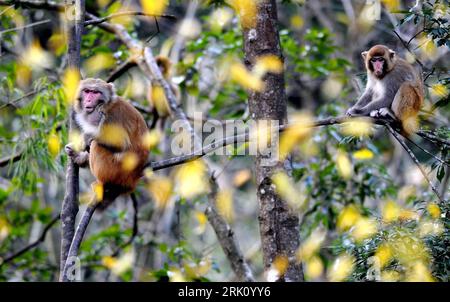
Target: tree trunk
pixel 69 211
pixel 279 226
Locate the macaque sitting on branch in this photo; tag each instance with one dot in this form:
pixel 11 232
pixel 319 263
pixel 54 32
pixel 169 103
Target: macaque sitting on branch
pixel 394 88
pixel 114 131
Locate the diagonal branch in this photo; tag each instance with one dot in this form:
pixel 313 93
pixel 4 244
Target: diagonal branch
pixel 415 160
pixel 226 238
pixel 31 245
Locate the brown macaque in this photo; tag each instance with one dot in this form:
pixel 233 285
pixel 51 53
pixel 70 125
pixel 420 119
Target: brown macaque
pixel 114 130
pixel 394 88
pixel 156 95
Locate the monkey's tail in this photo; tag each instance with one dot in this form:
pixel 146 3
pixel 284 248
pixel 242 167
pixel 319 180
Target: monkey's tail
pixel 410 125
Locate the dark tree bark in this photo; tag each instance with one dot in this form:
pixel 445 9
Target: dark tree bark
pixel 69 209
pixel 279 226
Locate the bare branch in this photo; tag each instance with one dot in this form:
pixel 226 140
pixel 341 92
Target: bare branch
pixel 121 69
pixel 135 225
pixel 127 13
pixel 415 160
pixel 31 245
pixel 47 4
pixel 227 239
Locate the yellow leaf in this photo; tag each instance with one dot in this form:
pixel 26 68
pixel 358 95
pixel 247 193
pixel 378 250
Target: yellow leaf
pixel 191 179
pixel 161 189
pixel 54 144
pixel 392 5
pixel 114 135
pixel 280 264
pixel 151 139
pixel 311 245
pixel 299 132
pixel 23 75
pixel 347 218
pixel 220 18
pixel 267 63
pixel 201 219
pixel 297 22
pixel 36 57
pixel 390 276
pixel 419 272
pixel 363 229
pixel 247 10
pixel 285 187
pixel 5 229
pixel 433 228
pixel 241 177
pixel 383 254
pixel 343 164
pixel 332 87
pixel 314 267
pixel 224 203
pixel 391 212
pixel 129 161
pixel 359 126
pixel 99 62
pixel 154 7
pixel 341 269
pixel 242 76
pixel 119 266
pixel 434 210
pixel 439 90
pixel 408 215
pixel 363 154
pixel 98 191
pixel 175 275
pixel 71 80
pixel 159 101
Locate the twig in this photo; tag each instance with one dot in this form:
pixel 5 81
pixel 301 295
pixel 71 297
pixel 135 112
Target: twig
pixel 227 239
pixel 127 13
pixel 25 26
pixel 47 4
pixel 10 159
pixel 433 138
pixel 428 152
pixel 415 160
pixel 409 50
pixel 135 226
pixel 31 245
pixel 11 103
pixel 121 69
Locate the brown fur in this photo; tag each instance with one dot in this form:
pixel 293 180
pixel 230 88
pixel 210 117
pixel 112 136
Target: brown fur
pixel 105 160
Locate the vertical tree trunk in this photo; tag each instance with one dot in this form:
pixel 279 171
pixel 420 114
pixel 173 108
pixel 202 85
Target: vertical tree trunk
pixel 279 227
pixel 75 16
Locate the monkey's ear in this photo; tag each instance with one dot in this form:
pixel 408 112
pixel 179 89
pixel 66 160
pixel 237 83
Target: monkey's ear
pixel 364 54
pixel 112 88
pixel 391 53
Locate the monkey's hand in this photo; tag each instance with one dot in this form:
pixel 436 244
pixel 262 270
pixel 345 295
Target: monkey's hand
pixel 80 158
pixel 353 111
pixel 384 113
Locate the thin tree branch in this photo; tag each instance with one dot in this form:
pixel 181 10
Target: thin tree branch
pixel 10 159
pixel 31 245
pixel 226 238
pixel 415 160
pixel 47 4
pixel 135 225
pixel 25 26
pixel 127 13
pixel 121 69
pixel 408 49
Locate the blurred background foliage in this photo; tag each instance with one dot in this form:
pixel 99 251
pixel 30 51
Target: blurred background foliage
pixel 366 211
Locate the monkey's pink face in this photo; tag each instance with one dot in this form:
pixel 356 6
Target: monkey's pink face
pixel 91 99
pixel 378 66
